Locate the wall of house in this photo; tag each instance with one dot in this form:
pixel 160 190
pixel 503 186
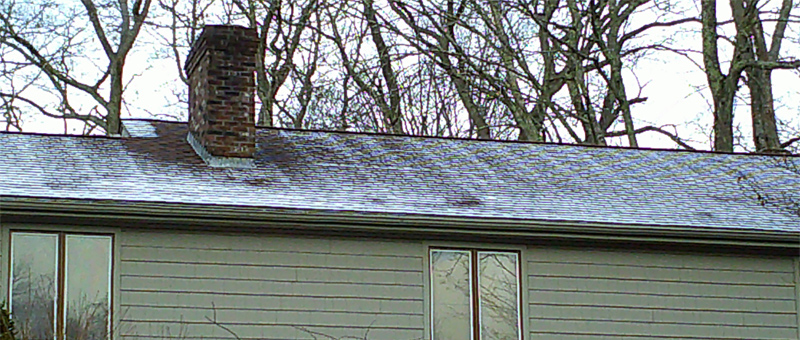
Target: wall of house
pixel 580 294
pixel 172 285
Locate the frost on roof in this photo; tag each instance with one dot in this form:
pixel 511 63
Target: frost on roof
pixel 413 175
pixel 139 128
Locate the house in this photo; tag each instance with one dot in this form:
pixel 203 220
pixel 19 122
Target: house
pixel 233 231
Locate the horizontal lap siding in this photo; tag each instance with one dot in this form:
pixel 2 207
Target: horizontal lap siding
pixel 175 285
pixel 581 294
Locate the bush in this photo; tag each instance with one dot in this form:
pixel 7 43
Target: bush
pixel 7 330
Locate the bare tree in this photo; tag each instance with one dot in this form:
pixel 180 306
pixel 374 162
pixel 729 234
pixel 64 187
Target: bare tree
pixel 433 33
pixel 759 73
pixel 52 46
pixel 595 42
pixel 373 74
pixel 548 70
pixel 750 56
pixel 281 27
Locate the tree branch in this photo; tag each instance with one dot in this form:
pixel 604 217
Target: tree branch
pixel 790 142
pixel 94 119
pixel 98 27
pixel 672 136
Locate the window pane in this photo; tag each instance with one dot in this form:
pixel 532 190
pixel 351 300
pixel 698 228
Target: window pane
pixel 451 295
pixel 33 284
pixel 498 295
pixel 87 287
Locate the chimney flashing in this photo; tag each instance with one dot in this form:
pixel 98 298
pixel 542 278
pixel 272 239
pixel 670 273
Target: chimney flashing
pixel 216 161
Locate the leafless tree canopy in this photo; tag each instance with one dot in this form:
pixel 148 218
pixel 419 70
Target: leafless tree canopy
pixel 51 50
pixel 543 70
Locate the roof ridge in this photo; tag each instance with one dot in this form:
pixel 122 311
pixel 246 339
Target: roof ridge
pixel 383 134
pixel 506 141
pixel 44 134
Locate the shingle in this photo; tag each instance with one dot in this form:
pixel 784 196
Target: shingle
pixel 414 175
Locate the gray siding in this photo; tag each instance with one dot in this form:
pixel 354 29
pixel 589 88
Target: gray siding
pixel 581 294
pixel 269 287
pixel 265 287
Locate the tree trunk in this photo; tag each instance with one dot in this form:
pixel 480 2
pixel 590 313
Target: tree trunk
pixel 759 80
pixel 723 119
pixel 474 111
pixel 529 127
pixel 262 90
pixel 765 129
pixel 114 105
pixel 723 87
pixel 613 53
pixel 393 116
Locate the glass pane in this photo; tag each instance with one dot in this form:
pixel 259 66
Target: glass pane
pixel 33 284
pixel 87 287
pixel 498 295
pixel 451 295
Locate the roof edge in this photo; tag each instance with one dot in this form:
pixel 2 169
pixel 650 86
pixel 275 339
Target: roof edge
pixel 159 215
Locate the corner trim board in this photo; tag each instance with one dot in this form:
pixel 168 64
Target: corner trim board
pixel 797 292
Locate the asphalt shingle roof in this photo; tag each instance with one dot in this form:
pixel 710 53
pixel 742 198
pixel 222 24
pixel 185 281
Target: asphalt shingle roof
pixel 414 175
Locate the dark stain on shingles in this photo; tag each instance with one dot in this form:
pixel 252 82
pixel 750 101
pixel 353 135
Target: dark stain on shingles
pixel 58 185
pixel 170 147
pixel 272 148
pixel 296 151
pixel 251 177
pixel 307 147
pixel 466 200
pixel 260 181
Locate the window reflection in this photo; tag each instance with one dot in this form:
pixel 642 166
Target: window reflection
pixel 61 285
pixel 475 294
pixel 87 287
pixel 33 284
pixel 498 295
pixel 451 294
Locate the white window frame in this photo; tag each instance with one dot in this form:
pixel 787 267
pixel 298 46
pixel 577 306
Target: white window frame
pixel 61 233
pixel 474 250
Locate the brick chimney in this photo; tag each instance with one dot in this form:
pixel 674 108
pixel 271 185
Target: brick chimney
pixel 221 68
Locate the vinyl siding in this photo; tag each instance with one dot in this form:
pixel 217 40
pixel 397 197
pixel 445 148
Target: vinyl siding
pixel 585 294
pixel 271 287
pixel 266 287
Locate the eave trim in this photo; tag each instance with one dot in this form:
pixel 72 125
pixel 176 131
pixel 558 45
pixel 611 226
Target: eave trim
pixel 190 216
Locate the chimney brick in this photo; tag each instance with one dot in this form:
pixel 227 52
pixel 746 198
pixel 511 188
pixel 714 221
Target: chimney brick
pixel 221 68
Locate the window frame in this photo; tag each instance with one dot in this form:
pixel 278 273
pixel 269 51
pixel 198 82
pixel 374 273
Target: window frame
pixel 474 278
pixel 61 271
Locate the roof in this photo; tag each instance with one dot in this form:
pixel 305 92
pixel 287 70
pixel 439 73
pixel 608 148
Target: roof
pixel 391 174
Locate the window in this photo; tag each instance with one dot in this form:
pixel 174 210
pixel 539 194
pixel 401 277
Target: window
pixel 475 294
pixel 61 285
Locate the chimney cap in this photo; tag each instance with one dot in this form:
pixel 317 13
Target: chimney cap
pixel 233 39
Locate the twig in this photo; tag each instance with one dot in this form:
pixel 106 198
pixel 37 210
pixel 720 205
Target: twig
pixel 214 322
